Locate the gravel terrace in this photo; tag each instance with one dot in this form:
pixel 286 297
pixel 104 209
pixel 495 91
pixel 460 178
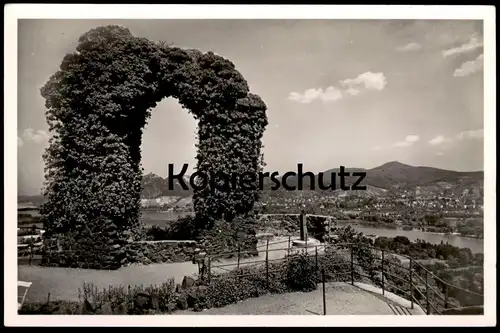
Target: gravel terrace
pixel 341 299
pixel 63 283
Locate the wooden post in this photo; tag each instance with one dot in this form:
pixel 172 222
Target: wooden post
pixel 316 264
pixel 209 273
pixel 301 224
pixel 383 291
pixel 411 282
pixel 267 262
pixel 289 244
pixel 428 305
pixel 238 255
pixel 352 265
pixel 324 291
pixel 48 297
pixel 316 255
pixel 446 296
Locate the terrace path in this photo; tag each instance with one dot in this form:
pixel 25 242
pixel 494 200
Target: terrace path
pixel 63 283
pixel 341 299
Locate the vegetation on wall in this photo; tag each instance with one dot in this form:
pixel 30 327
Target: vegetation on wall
pixel 97 106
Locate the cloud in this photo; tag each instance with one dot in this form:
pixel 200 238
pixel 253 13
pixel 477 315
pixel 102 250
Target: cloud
pixel 331 94
pixel 439 153
pixel 412 138
pixel 368 80
pixel 348 87
pixel 409 47
pixel 408 141
pixel 438 140
pixel 32 135
pixel 473 43
pixel 327 95
pixel 465 135
pixel 469 67
pixel 377 148
pixel 471 134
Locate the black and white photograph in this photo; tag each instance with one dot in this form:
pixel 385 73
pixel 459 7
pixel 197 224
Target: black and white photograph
pixel 222 167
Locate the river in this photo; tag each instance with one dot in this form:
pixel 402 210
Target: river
pixel 475 245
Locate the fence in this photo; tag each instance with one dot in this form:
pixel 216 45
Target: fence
pixel 352 262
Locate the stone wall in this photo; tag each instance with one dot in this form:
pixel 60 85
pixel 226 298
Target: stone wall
pixel 113 256
pixel 280 225
pixel 154 252
pixel 470 310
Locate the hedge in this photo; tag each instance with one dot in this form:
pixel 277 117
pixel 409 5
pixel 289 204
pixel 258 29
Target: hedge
pixel 298 272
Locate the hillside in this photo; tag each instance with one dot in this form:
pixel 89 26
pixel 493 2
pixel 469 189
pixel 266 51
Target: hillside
pixel 390 177
pixel 154 186
pixel 395 176
pixel 399 175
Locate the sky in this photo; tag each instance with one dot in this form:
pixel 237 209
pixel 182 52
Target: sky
pixel 357 93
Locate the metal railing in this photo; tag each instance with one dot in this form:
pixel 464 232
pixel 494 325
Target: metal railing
pixel 414 283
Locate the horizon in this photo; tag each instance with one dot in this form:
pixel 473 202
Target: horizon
pixel 305 170
pixel 358 75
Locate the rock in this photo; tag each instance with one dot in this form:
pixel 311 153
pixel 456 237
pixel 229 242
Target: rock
pixel 107 309
pixel 182 302
pixel 121 309
pixel 155 301
pixel 187 282
pixel 171 307
pixel 141 301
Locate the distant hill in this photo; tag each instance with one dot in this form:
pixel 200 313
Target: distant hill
pixel 394 177
pixel 30 200
pixel 399 175
pixel 387 178
pixel 154 186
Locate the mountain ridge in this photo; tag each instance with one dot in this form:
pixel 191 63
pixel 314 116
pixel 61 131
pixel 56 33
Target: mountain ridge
pixel 388 177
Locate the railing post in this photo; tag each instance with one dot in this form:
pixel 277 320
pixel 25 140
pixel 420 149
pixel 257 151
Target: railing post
pixel 446 296
pixel 316 264
pixel 428 305
pixel 209 273
pixel 267 263
pixel 324 291
pixel 288 251
pixel 411 282
pixel 238 255
pixel 383 289
pixel 352 265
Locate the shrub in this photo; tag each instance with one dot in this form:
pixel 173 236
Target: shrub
pixel 181 229
pixel 55 307
pixel 301 273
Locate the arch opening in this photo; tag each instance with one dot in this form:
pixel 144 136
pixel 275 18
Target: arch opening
pixel 97 107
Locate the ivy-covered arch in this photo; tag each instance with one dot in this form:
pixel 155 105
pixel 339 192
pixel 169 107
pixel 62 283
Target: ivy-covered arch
pixel 97 106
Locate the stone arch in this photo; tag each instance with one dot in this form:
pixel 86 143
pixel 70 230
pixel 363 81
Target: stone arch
pixel 97 106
